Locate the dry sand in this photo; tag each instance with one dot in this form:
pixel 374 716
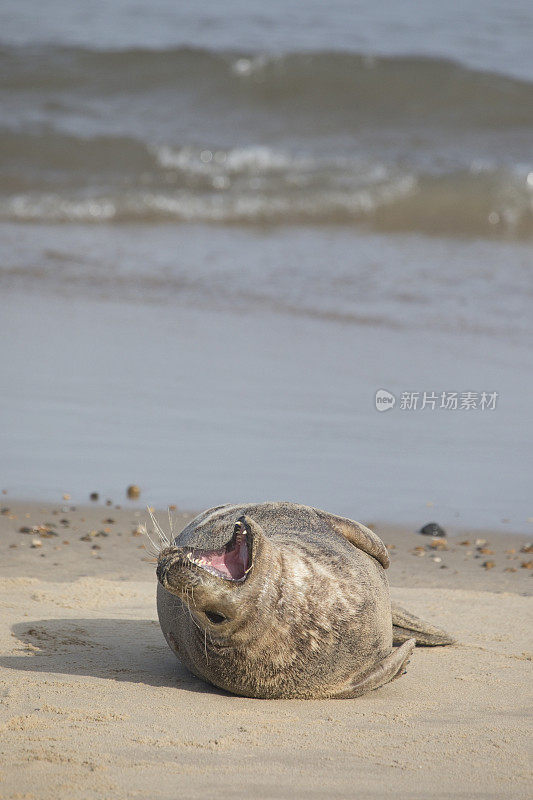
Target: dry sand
pixel 94 705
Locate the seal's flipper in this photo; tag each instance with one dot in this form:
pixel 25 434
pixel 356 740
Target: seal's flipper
pixel 387 670
pixel 406 626
pixel 359 535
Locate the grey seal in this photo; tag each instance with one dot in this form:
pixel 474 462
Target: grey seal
pixel 280 600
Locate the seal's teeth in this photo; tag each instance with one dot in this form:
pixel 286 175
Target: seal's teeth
pixel 200 561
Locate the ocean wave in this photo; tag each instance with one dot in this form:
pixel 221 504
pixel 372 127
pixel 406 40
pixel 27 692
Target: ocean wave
pixel 47 175
pixel 491 203
pixel 339 83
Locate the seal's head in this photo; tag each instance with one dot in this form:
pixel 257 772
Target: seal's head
pixel 210 580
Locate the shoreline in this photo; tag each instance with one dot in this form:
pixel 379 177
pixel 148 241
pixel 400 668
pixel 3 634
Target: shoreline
pixel 104 540
pixel 318 441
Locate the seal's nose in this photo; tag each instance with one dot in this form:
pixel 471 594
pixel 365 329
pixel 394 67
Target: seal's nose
pixel 160 569
pixel 163 562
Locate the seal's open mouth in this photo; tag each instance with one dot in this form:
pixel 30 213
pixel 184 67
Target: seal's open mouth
pixel 231 562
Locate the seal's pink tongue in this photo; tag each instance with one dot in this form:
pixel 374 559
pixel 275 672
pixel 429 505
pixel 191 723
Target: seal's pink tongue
pixel 230 564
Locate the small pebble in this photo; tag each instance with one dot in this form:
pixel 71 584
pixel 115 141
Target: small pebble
pixel 45 533
pixel 96 547
pixel 432 529
pixel 489 564
pixel 527 564
pixel 66 497
pixel 437 559
pixel 510 569
pixel 438 544
pixel 172 508
pixel 480 542
pixel 527 548
pixel 466 543
pixel 36 543
pixel 133 492
pixel 486 551
pixel 94 496
pixel 109 502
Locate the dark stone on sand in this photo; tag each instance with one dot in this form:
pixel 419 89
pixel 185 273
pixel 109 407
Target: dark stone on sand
pixel 432 529
pixel 94 497
pixel 133 492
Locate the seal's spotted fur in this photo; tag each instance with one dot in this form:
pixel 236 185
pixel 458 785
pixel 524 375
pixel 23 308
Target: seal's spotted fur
pixel 282 600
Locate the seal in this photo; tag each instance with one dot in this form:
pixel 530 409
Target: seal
pixel 280 600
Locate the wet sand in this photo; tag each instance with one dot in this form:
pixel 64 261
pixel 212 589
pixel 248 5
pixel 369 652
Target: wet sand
pixel 94 705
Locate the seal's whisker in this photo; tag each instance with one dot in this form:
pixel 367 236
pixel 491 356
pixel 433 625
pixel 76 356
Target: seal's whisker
pixel 187 603
pixel 170 523
pixel 156 549
pixel 164 540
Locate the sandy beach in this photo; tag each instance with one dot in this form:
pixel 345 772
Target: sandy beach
pixel 94 705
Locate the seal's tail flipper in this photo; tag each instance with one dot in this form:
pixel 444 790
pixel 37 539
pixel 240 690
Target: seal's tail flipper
pixel 387 670
pixel 406 626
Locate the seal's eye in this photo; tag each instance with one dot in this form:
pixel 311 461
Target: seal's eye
pixel 215 617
